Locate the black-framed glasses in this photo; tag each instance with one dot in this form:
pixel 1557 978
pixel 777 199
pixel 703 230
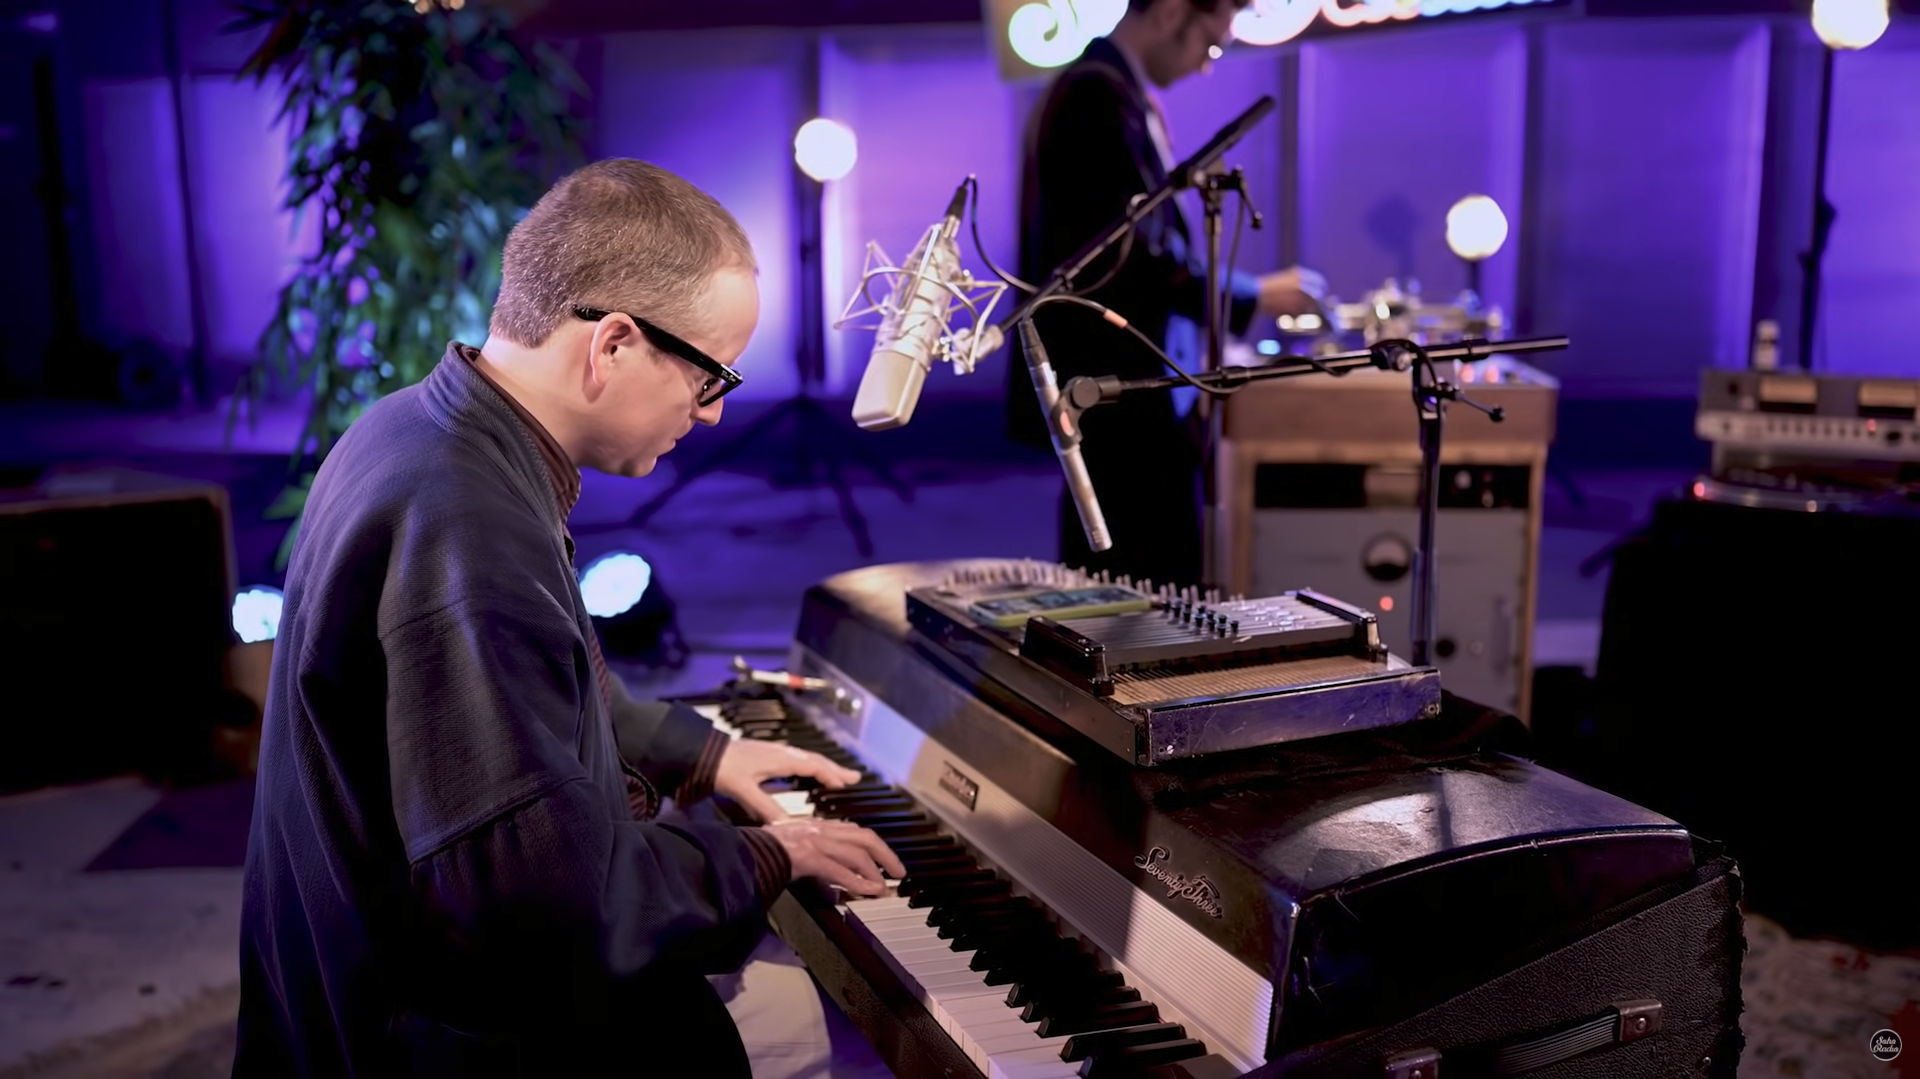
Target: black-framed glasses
pixel 721 379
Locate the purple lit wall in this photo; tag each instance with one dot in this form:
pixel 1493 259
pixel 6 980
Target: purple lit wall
pixel 1649 149
pixel 139 234
pixel 1393 132
pixel 1631 156
pixel 1872 279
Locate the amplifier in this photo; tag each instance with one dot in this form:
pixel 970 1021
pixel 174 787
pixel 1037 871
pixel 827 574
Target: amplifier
pixel 1774 419
pixel 1319 482
pixel 115 619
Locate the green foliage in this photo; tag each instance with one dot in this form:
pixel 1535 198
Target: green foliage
pixel 419 138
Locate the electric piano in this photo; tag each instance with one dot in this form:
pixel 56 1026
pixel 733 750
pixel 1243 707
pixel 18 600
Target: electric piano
pixel 1402 900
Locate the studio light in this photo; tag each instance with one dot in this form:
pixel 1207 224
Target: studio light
pixel 256 613
pixel 1849 24
pixel 1476 228
pixel 631 612
pixel 825 149
pixel 613 584
pixel 1844 26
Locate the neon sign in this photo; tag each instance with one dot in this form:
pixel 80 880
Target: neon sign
pixel 1053 33
pixel 1050 33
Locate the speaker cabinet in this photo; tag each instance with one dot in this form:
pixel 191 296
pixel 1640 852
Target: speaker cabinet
pixel 1755 683
pixel 115 623
pixel 1319 484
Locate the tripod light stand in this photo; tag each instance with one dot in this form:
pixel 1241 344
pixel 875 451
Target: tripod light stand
pixel 1840 24
pixel 822 442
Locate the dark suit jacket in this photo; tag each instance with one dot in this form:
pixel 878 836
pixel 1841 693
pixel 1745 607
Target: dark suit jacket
pixel 1088 153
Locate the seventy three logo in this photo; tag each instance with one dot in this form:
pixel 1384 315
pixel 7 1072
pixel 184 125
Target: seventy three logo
pixel 1885 1045
pixel 1196 889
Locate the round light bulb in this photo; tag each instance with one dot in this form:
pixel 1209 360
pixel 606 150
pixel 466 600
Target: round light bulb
pixel 825 149
pixel 1849 24
pixel 1476 228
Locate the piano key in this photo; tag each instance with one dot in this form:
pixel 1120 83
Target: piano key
pixel 972 892
pixel 1081 1046
pixel 794 803
pixel 1049 984
pixel 1034 1011
pixel 1114 1015
pixel 1017 996
pixel 1038 1063
pixel 1005 904
pixel 1132 1059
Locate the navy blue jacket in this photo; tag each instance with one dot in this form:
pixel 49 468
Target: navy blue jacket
pixel 444 876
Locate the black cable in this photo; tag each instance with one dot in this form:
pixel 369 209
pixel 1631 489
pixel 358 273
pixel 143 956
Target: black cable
pixel 1119 260
pixel 973 186
pixel 1115 318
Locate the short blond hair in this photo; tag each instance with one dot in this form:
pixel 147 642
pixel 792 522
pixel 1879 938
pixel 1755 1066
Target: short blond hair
pixel 621 235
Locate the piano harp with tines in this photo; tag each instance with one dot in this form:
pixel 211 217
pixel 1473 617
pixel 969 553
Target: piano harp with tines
pixel 1389 902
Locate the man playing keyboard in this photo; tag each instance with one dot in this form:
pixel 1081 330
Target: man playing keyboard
pixel 459 861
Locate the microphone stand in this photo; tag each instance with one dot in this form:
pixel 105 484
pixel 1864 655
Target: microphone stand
pixel 1213 186
pixel 1430 396
pixel 1193 172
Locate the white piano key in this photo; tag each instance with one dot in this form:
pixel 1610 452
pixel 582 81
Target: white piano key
pixel 1019 1035
pixel 1039 1063
pixel 962 979
pixel 1000 1037
pixel 794 803
pixel 921 952
pixel 881 908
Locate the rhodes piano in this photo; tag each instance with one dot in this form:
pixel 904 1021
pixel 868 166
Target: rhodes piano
pixel 1402 900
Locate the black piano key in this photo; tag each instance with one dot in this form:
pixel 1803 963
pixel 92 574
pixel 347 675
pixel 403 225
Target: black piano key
pixel 960 914
pixel 958 873
pixel 1082 1046
pixel 1006 969
pixel 999 935
pixel 876 801
pixel 922 845
pixel 1069 1004
pixel 916 861
pixel 1114 1015
pixel 904 829
pixel 1084 977
pixel 1131 1060
pixel 940 895
pixel 953 919
pixel 863 788
pixel 887 815
pixel 936 864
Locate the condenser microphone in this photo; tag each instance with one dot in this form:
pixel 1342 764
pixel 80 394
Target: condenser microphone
pixel 1066 440
pixel 914 320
